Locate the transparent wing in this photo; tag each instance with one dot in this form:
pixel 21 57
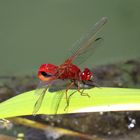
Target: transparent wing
pixel 83 48
pixel 58 97
pixel 56 86
pixel 39 101
pixel 60 87
pixel 40 91
pixel 82 57
pixel 41 85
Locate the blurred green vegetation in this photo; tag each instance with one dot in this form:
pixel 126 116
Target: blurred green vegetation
pixel 36 32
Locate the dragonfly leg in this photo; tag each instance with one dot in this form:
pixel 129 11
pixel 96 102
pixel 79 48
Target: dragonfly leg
pixel 81 92
pixel 67 98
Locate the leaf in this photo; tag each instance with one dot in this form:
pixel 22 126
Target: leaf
pixel 101 99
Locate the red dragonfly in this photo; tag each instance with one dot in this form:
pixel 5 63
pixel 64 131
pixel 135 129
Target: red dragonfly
pixel 69 70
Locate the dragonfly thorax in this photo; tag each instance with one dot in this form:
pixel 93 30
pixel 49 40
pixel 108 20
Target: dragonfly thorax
pixel 69 71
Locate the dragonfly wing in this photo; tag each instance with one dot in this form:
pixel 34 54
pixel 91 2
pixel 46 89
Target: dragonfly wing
pixel 41 85
pixel 86 43
pixel 40 91
pixel 56 86
pixel 58 97
pixel 59 86
pixel 82 57
pixel 39 101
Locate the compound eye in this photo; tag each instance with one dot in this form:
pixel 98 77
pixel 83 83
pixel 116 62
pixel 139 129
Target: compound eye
pixel 45 74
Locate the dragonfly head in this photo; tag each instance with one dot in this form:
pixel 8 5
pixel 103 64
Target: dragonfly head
pixel 46 72
pixel 86 75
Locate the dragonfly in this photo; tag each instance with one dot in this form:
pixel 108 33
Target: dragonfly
pixel 69 70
